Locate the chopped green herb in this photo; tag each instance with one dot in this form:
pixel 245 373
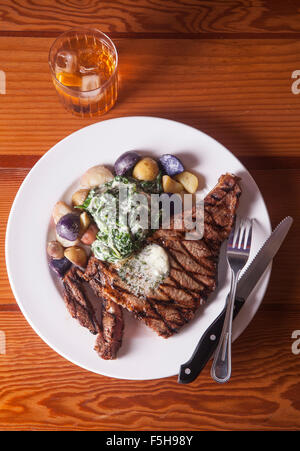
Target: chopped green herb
pixel 121 230
pixel 154 187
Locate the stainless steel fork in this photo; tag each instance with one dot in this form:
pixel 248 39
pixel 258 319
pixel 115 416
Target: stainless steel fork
pixel 238 250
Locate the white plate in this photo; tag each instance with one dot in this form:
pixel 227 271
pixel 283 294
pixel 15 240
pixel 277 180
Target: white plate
pixel 143 355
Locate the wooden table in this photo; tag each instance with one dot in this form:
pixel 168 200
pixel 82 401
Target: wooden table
pixel 224 67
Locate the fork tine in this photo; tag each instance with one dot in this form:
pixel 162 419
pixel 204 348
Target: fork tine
pixel 231 237
pixel 248 234
pixel 240 236
pixel 236 231
pixel 242 230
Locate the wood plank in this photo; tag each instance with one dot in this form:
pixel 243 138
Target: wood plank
pixel 115 35
pixel 284 287
pixel 239 94
pixel 250 162
pixel 280 189
pixel 40 390
pixel 192 16
pixel 10 180
pixel 224 67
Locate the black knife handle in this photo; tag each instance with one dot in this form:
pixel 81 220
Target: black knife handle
pixel 206 347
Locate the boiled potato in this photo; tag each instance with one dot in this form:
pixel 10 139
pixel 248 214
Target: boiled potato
pixel 66 243
pixel 188 180
pixel 60 209
pixel 90 234
pixel 146 169
pixel 170 186
pixel 79 196
pixel 55 250
pixel 84 221
pixel 96 176
pixel 68 227
pixel 171 164
pixel 60 265
pixel 76 255
pixel 126 162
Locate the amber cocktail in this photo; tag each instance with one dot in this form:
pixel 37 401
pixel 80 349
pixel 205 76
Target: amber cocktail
pixel 84 69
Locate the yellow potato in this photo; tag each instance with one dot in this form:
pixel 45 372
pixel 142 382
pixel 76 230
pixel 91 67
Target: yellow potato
pixel 170 186
pixel 76 255
pixel 188 180
pixel 84 221
pixel 79 196
pixel 60 209
pixel 146 169
pixel 95 176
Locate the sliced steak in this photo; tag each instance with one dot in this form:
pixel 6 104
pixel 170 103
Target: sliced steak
pixel 105 322
pixel 78 303
pixel 109 339
pixel 193 266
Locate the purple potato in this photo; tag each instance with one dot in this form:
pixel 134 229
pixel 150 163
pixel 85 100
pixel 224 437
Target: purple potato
pixel 61 266
pixel 126 162
pixel 171 164
pixel 68 227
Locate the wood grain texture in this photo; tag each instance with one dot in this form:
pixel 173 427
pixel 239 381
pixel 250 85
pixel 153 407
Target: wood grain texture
pixel 280 189
pixel 10 182
pixel 223 67
pixel 41 391
pixel 166 16
pixel 250 162
pixel 237 91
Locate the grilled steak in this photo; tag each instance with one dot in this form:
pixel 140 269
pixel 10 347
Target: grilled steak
pixel 105 322
pixel 77 302
pixel 193 266
pixel 109 339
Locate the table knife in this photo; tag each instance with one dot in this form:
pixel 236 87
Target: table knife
pixel 209 340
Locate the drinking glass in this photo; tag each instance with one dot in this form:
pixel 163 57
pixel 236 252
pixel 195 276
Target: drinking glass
pixel 84 69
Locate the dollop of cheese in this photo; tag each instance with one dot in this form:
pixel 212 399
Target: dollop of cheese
pixel 145 270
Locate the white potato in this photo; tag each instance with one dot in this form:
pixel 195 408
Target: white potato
pixel 60 209
pixel 79 196
pixel 95 176
pixel 188 180
pixel 55 250
pixel 170 185
pixel 66 243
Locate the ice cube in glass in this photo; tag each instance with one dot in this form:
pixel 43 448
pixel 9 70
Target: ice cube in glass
pixel 66 61
pixel 90 82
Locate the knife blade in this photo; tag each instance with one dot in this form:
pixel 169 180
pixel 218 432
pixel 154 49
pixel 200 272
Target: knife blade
pixel 208 342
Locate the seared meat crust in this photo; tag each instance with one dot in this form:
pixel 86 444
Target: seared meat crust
pixel 107 322
pixel 193 266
